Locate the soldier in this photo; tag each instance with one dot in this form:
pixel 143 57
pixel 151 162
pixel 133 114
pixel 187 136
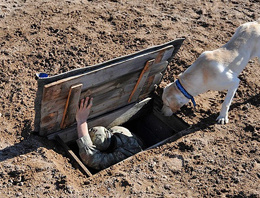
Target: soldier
pixel 99 147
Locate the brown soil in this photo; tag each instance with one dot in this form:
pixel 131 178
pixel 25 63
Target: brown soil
pixel 57 36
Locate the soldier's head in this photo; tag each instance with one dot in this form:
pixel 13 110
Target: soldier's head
pixel 101 137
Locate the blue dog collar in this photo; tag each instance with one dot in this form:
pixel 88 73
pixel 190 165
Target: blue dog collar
pixel 185 93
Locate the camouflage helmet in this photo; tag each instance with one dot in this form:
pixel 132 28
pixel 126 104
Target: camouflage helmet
pixel 101 137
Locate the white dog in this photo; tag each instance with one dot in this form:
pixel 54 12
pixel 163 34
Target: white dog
pixel 215 70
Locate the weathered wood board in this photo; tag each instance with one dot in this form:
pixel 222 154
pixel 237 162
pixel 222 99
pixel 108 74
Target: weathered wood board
pixel 71 106
pixel 113 85
pixel 117 117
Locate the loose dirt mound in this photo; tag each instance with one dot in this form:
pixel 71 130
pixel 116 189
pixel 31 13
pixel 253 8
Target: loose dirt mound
pixel 57 36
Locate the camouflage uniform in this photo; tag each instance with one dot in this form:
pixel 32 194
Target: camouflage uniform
pixel 124 142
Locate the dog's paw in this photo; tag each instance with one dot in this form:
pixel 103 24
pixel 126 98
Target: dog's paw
pixel 222 119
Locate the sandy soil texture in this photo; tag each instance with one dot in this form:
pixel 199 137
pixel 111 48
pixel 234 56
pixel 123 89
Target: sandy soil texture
pixel 57 36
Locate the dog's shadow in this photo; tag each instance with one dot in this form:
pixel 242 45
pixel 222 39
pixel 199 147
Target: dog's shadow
pixel 211 119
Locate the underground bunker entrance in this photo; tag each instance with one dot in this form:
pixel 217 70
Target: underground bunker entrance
pixel 150 126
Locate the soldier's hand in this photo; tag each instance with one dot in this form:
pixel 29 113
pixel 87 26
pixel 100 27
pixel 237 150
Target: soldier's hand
pixel 83 110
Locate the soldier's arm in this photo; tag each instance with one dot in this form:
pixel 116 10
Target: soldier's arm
pixel 82 115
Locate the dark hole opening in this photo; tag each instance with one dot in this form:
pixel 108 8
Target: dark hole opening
pixel 149 126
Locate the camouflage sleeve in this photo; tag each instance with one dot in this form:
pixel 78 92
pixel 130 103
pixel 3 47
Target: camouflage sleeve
pixel 93 158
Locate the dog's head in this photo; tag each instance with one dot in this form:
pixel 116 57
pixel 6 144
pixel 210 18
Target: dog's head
pixel 172 99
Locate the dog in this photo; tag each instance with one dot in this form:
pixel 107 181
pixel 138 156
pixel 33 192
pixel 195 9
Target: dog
pixel 215 70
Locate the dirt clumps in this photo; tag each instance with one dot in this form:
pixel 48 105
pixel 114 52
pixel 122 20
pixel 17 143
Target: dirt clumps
pixel 58 36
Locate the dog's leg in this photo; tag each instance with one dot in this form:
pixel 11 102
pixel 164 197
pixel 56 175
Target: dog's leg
pixel 223 116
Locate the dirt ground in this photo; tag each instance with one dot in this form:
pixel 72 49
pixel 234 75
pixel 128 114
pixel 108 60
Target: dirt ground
pixel 56 36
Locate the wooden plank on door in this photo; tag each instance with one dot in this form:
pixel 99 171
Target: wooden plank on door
pixel 70 110
pixel 160 56
pixel 113 83
pixel 140 81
